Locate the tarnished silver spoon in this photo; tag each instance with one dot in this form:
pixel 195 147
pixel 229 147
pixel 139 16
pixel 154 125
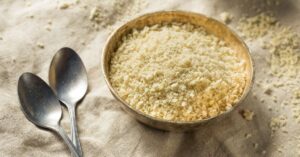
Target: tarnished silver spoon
pixel 68 79
pixel 41 107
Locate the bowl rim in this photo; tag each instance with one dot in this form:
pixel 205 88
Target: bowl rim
pixel 125 104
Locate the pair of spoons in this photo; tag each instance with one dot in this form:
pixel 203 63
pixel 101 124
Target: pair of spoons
pixel 40 103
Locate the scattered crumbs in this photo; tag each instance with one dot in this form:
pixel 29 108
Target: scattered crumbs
pixel 296 113
pixel 284 130
pixel 64 5
pixel 270 108
pixel 226 17
pixel 278 123
pixel 254 95
pixel 40 45
pixel 123 11
pixel 31 16
pixel 256 26
pixel 82 43
pixel 110 28
pixel 48 28
pixel 283 45
pixel 264 152
pixel 95 15
pixel 275 100
pixel 284 49
pixel 255 145
pixel 262 100
pixel 297 94
pixel 268 91
pixel 278 84
pixel 248 135
pixel 247 114
pixel 285 103
pixel 279 149
pixel 295 100
pixel 258 84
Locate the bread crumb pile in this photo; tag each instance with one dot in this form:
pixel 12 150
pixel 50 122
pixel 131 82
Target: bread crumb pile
pixel 284 46
pixel 123 10
pixel 105 14
pixel 177 72
pixel 282 43
pixel 257 26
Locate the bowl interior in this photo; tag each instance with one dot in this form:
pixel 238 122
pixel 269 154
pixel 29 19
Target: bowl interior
pixel 211 25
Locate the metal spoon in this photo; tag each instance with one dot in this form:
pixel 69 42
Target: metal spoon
pixel 68 79
pixel 41 107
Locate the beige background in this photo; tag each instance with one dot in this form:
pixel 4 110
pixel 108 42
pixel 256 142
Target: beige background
pixel 104 128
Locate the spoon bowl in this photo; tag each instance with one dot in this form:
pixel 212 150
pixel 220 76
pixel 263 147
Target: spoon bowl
pixel 67 76
pixel 41 107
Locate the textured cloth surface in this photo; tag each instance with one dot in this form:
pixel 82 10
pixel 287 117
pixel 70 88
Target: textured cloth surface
pixel 32 31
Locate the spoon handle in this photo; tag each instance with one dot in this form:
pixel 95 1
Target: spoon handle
pixel 74 132
pixel 69 143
